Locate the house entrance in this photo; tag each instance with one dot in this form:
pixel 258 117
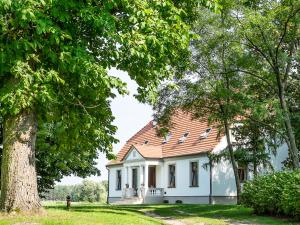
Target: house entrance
pixel 152 177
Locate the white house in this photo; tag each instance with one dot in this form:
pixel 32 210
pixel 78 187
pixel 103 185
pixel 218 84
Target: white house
pixel 153 169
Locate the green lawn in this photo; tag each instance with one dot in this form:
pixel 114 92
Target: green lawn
pixel 93 214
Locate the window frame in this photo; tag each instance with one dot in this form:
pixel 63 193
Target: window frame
pixel 118 186
pixel 169 175
pixel 244 169
pixel 197 175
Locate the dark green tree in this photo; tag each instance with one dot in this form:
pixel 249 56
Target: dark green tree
pixel 270 30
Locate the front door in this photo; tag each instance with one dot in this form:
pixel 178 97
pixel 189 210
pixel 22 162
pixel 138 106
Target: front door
pixel 134 180
pixel 152 177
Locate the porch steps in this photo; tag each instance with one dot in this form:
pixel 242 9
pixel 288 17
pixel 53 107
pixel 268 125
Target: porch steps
pixel 129 201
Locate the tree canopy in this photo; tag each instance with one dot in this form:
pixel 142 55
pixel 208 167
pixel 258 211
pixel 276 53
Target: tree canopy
pixel 54 58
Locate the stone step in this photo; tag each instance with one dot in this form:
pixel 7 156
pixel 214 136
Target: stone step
pixel 128 201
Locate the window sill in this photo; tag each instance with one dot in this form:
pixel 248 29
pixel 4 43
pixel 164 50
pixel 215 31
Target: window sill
pixel 194 186
pixel 171 187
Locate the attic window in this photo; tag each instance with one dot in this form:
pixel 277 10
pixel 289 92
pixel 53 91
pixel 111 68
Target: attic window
pixel 205 134
pixel 167 138
pixel 146 142
pixel 184 137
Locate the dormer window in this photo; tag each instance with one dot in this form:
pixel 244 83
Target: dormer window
pixel 184 137
pixel 205 134
pixel 146 142
pixel 167 138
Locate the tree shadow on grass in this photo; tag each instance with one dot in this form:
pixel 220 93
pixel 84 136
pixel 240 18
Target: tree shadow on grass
pixel 120 210
pixel 230 213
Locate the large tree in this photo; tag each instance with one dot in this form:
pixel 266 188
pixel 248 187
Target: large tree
pixel 54 57
pixel 270 31
pixel 212 89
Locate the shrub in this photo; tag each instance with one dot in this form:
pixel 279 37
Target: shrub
pixel 178 202
pixel 276 194
pixel 166 201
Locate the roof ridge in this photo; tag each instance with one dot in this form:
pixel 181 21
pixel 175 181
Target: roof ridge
pixel 140 131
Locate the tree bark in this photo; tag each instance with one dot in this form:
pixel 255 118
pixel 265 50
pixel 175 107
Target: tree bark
pixel 233 162
pixel 18 173
pixel 287 121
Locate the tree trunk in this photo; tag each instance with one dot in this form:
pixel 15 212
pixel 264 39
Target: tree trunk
pixel 287 121
pixel 18 174
pixel 233 162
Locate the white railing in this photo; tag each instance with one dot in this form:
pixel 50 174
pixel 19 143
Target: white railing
pixel 155 192
pixel 151 192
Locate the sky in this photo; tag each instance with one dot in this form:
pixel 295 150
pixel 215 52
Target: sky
pixel 130 116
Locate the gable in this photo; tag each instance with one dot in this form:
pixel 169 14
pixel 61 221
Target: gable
pixel 133 154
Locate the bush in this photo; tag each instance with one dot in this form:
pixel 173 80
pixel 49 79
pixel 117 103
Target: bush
pixel 178 202
pixel 275 194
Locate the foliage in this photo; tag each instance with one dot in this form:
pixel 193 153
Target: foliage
pixel 87 191
pixel 269 31
pixel 213 89
pixel 54 58
pixel 245 76
pixel 275 194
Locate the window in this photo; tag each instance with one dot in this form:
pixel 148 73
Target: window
pixel 184 137
pixel 172 176
pixel 167 138
pixel 146 142
pixel 205 134
pixel 186 134
pixel 119 180
pixel 242 174
pixel 194 174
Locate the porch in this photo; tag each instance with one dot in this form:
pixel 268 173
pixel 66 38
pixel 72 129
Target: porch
pixel 143 182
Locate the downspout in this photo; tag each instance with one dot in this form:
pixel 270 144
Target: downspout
pixel 210 181
pixel 107 198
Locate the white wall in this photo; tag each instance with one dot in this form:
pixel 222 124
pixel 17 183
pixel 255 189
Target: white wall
pixel 113 181
pixel 134 155
pixel 182 177
pixel 223 181
pixel 279 157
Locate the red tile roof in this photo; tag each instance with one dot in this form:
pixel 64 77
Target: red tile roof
pixel 155 148
pixel 149 151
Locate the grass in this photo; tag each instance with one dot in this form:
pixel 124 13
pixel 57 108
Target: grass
pixel 83 214
pixel 95 214
pixel 216 214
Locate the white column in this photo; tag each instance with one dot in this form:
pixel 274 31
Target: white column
pixel 130 176
pixel 146 176
pixel 141 176
pixel 140 186
pixel 125 180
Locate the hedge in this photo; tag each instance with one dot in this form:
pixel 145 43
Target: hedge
pixel 276 194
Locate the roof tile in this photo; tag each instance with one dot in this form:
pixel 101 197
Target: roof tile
pixel 155 148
